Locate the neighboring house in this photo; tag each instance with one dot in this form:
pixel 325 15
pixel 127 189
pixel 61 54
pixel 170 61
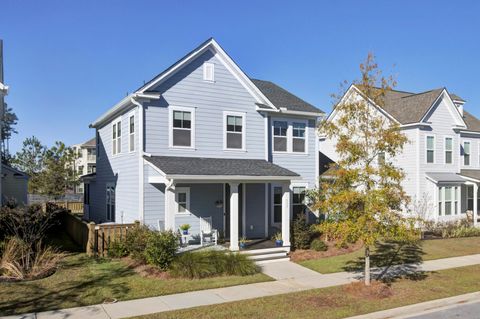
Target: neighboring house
pixel 202 139
pixel 14 185
pixel 441 159
pixel 86 161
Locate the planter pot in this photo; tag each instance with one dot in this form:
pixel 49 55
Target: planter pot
pixel 279 243
pixel 185 232
pixel 243 245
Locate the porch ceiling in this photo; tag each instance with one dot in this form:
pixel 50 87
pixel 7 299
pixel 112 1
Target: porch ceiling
pixel 175 167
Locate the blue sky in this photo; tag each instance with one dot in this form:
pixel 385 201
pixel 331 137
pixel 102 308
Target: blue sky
pixel 67 62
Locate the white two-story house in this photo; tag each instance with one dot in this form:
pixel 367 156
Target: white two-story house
pixel 85 163
pixel 204 140
pixel 442 157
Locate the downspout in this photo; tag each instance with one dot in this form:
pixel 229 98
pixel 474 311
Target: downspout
pixel 141 186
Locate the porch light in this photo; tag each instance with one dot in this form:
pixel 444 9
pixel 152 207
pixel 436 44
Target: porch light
pixel 219 204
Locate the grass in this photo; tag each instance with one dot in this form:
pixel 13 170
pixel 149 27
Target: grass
pixel 338 302
pixel 430 249
pixel 84 281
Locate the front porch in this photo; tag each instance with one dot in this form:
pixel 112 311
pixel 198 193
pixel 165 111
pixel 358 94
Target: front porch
pixel 253 204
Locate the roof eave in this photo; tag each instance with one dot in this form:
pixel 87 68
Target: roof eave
pixel 231 177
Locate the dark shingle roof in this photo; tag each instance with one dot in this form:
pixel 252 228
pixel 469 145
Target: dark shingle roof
pixel 456 97
pixel 90 142
pixel 281 98
pixel 174 165
pixel 473 124
pixel 472 173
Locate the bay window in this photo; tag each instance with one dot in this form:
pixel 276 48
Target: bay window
pixel 448 200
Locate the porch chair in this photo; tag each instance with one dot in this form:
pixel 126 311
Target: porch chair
pixel 206 231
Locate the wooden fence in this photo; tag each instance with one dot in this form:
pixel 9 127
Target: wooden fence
pixel 95 239
pixel 74 207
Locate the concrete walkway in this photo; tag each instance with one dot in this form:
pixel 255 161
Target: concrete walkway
pixel 290 277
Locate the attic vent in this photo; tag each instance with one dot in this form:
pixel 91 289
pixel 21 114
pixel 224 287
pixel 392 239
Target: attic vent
pixel 208 71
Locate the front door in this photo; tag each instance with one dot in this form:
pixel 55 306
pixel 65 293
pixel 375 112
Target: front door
pixel 226 225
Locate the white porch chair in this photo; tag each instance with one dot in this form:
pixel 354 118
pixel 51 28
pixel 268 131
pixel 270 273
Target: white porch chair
pixel 206 231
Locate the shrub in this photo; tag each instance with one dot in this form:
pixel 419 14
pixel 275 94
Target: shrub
pixel 212 263
pixel 19 261
pixel 160 248
pixel 454 229
pixel 117 249
pixel 136 242
pixel 301 233
pixel 318 245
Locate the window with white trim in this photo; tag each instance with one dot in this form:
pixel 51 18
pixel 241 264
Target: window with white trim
pixel 208 71
pixel 277 204
pixel 470 197
pixel 430 149
pixel 234 131
pixel 448 200
pixel 280 129
pixel 182 128
pixel 131 133
pixel 466 153
pixel 182 198
pixel 448 150
pixel 298 137
pixel 110 202
pixel 298 201
pixel 117 137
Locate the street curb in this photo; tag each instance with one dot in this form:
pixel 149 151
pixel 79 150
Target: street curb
pixel 422 308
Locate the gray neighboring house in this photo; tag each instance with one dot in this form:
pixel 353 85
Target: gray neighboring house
pixel 14 185
pixel 203 140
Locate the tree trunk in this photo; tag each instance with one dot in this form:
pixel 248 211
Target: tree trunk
pixel 367 266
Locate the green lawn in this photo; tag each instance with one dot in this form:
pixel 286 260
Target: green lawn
pixel 336 302
pixel 85 281
pixel 428 250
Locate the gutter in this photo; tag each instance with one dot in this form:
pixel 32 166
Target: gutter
pixel 289 112
pixel 140 151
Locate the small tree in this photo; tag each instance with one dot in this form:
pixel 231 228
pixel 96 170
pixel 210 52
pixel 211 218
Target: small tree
pixel 365 198
pixel 30 160
pixel 59 175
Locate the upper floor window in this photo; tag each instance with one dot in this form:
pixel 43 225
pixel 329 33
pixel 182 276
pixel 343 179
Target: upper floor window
pixel 182 127
pixel 234 131
pixel 430 149
pixel 209 71
pixel 381 158
pixel 298 135
pixel 117 137
pixel 448 150
pixel 280 129
pixel 466 153
pixel 131 133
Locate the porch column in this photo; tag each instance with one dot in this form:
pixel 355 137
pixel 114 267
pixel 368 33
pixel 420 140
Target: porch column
pixel 170 207
pixel 475 204
pixel 234 216
pixel 286 214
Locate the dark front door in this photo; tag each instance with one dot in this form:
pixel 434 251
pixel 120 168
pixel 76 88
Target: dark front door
pixel 227 210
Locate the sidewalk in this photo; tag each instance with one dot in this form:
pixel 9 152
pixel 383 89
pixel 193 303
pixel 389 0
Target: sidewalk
pixel 290 277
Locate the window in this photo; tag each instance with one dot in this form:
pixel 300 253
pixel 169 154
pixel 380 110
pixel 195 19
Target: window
pixel 91 169
pixel 298 137
pixel 448 150
pixel 280 136
pixel 208 71
pixel 430 149
pixel 466 153
pixel 277 204
pixel 117 137
pixel 381 158
pixel 86 194
pixel 234 131
pixel 182 128
pixel 182 198
pixel 80 170
pixel 110 198
pixel 456 203
pixel 440 200
pixel 470 197
pixel 448 200
pixel 131 133
pixel 298 201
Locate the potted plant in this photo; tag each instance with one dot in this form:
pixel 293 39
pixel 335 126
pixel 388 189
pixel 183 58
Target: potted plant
pixel 185 228
pixel 278 239
pixel 243 243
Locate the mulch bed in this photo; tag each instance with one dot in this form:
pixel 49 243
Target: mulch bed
pixel 333 250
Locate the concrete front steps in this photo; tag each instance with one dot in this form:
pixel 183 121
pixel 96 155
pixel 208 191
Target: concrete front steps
pixel 268 255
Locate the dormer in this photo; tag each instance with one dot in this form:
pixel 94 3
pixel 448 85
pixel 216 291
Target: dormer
pixel 458 101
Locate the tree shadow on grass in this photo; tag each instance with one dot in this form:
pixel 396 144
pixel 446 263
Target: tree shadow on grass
pixel 36 295
pixel 390 261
